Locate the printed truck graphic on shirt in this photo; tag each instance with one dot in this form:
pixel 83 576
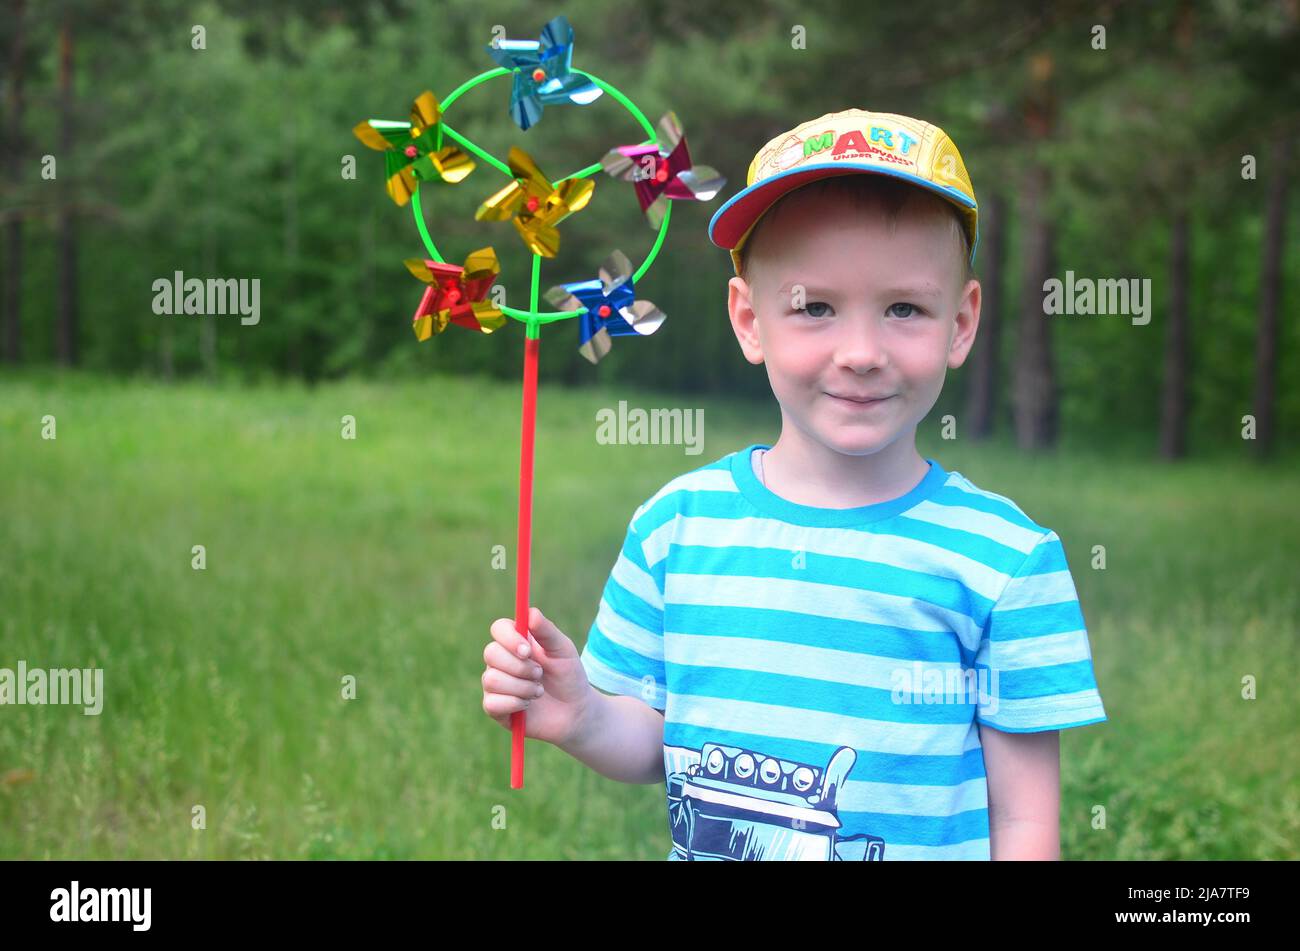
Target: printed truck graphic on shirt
pixel 732 804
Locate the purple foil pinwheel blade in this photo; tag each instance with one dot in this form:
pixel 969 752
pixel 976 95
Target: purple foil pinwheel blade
pixel 625 161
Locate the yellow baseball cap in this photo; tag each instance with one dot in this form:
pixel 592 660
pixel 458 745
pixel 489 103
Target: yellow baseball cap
pixel 842 143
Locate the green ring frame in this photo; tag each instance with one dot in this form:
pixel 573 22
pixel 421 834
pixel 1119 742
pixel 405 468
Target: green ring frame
pixel 532 317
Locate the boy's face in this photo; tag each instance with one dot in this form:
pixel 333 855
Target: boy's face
pixel 881 318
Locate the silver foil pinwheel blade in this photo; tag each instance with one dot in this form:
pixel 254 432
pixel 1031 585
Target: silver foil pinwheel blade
pixel 614 271
pixel 643 317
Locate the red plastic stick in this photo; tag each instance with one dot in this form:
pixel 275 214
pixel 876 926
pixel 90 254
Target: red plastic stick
pixel 524 542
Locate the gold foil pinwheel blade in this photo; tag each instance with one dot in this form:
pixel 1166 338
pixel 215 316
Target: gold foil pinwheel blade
pixel 541 238
pixel 575 193
pixel 501 206
pixel 488 316
pixel 453 164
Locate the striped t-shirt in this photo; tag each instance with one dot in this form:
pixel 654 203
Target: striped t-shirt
pixel 823 672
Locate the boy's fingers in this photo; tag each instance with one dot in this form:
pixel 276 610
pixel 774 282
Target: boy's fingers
pixel 498 681
pixel 504 633
pixel 495 655
pixel 501 705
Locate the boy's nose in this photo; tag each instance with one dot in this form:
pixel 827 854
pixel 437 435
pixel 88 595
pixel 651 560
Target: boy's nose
pixel 861 345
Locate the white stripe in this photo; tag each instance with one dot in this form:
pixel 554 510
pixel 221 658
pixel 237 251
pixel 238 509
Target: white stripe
pixel 777 657
pixel 1031 591
pixel 1026 653
pixel 655 545
pixel 816 726
pixel 628 635
pixel 699 480
pixel 1042 712
pixel 976 522
pixel 815 599
pixel 960 482
pixel 606 678
pixel 879 547
pixel 632 577
pixel 903 800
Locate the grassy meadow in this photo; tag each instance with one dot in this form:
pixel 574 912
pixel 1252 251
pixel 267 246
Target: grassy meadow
pixel 372 557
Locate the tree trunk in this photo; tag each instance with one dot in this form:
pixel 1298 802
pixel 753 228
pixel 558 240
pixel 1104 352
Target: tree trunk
pixel 290 234
pixel 1173 403
pixel 67 335
pixel 208 322
pixel 1270 294
pixel 1035 398
pixel 1173 382
pixel 982 390
pixel 11 314
pixel 166 348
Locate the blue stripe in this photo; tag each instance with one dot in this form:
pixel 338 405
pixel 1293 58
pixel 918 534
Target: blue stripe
pixel 849 700
pixel 778 563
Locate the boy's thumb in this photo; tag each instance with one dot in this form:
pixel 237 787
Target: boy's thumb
pixel 550 637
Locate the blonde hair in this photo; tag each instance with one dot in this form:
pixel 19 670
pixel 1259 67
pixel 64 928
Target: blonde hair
pixel 891 197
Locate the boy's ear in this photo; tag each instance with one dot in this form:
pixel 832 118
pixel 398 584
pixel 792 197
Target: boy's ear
pixel 741 308
pixel 965 323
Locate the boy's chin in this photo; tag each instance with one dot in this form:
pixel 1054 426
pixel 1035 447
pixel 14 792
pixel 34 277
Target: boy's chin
pixel 858 440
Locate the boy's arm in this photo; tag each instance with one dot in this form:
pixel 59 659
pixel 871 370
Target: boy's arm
pixel 1024 782
pixel 620 737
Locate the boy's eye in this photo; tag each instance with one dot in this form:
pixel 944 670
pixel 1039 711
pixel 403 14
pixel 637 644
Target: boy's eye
pixel 817 308
pixel 910 307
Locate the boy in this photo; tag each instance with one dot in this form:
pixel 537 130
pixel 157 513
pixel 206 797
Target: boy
pixel 831 648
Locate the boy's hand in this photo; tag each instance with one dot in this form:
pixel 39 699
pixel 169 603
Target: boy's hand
pixel 547 680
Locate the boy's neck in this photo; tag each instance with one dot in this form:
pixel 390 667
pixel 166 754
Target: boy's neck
pixel 802 470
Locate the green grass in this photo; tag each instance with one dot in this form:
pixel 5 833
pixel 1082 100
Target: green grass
pixel 373 558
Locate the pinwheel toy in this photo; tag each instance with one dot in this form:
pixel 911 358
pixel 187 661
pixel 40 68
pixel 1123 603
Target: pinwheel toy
pixel 606 307
pixel 534 204
pixel 663 170
pixel 456 294
pixel 543 72
pixel 610 307
pixel 413 151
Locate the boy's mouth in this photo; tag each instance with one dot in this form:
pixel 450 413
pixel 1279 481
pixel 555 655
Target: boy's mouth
pixel 860 400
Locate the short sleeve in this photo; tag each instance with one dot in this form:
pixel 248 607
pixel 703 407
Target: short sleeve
pixel 1034 663
pixel 624 652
